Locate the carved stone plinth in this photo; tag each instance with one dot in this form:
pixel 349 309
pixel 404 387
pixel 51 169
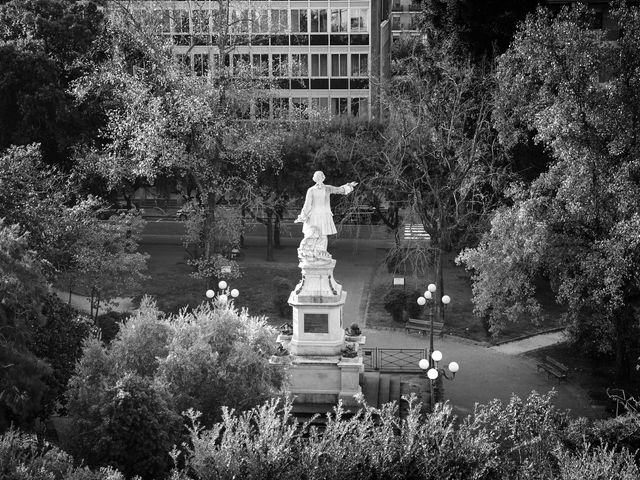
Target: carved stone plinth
pixel 321 379
pixel 321 364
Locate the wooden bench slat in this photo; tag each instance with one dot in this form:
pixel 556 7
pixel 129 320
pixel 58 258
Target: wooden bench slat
pixel 553 367
pixel 423 325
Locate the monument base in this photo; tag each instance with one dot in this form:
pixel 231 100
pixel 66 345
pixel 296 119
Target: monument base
pixel 325 379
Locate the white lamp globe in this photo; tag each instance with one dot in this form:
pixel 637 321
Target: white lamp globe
pixel 428 295
pixel 454 367
pixel 432 373
pixel 210 293
pixel 424 364
pixel 222 284
pixel 235 293
pixel 421 301
pixel 446 299
pixel 436 355
pixel 431 287
pixel 223 298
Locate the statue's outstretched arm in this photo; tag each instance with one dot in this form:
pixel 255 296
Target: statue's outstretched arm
pixel 345 189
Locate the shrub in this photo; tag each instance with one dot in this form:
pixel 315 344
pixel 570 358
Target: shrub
pixel 397 302
pixel 125 398
pixel 283 288
pixel 24 456
pixel 109 324
pixel 59 342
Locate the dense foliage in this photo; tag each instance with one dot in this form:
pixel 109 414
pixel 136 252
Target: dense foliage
pixel 526 439
pixel 46 45
pixel 576 224
pixel 131 393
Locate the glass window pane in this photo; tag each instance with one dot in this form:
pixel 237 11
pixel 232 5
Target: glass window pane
pixel 339 20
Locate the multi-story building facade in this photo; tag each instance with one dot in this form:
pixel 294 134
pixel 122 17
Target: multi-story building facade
pixel 404 17
pixel 322 54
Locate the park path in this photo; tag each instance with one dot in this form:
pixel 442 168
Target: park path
pixel 83 304
pixel 534 342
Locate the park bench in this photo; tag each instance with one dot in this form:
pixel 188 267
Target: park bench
pixel 423 326
pixel 554 367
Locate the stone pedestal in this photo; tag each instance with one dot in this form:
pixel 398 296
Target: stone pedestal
pixel 319 373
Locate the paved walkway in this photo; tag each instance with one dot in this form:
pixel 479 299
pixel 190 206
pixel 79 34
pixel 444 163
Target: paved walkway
pixel 486 374
pixel 82 303
pixel 532 343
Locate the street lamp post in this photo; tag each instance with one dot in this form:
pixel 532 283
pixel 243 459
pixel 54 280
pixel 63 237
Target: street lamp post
pixel 434 372
pixel 430 365
pixel 224 291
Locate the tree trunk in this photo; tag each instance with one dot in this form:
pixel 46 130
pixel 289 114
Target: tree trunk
pixel 269 225
pixel 439 281
pixel 276 232
pixel 622 326
pixel 209 225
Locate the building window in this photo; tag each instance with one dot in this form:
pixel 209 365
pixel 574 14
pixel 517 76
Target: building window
pixel 339 65
pixel 181 21
pixel 279 64
pixel 165 21
pixel 339 106
pixel 280 107
pixel 201 64
pixel 299 21
pixel 260 64
pixel 261 108
pixel 279 21
pixel 320 105
pixel 395 22
pixel 300 106
pixel 300 65
pixel 240 63
pixel 319 65
pixel 200 19
pixel 260 23
pixel 360 107
pixel 359 65
pixel 339 20
pixel 239 21
pixel 359 18
pixel 318 20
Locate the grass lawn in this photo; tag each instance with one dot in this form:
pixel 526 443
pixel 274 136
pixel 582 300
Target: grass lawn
pixel 459 317
pixel 173 287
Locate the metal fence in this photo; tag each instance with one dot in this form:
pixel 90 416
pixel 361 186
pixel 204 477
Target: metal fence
pixel 393 359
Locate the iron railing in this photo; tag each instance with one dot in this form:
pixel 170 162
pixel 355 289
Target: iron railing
pixel 393 359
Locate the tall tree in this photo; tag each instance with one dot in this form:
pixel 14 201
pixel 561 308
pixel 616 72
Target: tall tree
pixel 577 223
pixel 440 157
pixel 164 121
pixel 482 29
pixel 46 45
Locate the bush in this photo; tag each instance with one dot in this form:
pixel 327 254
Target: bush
pixel 398 302
pixel 395 302
pixel 109 324
pixel 59 342
pixel 24 456
pixel 125 398
pixel 283 288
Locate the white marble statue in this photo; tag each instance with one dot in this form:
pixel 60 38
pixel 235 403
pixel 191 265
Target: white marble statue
pixel 317 218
